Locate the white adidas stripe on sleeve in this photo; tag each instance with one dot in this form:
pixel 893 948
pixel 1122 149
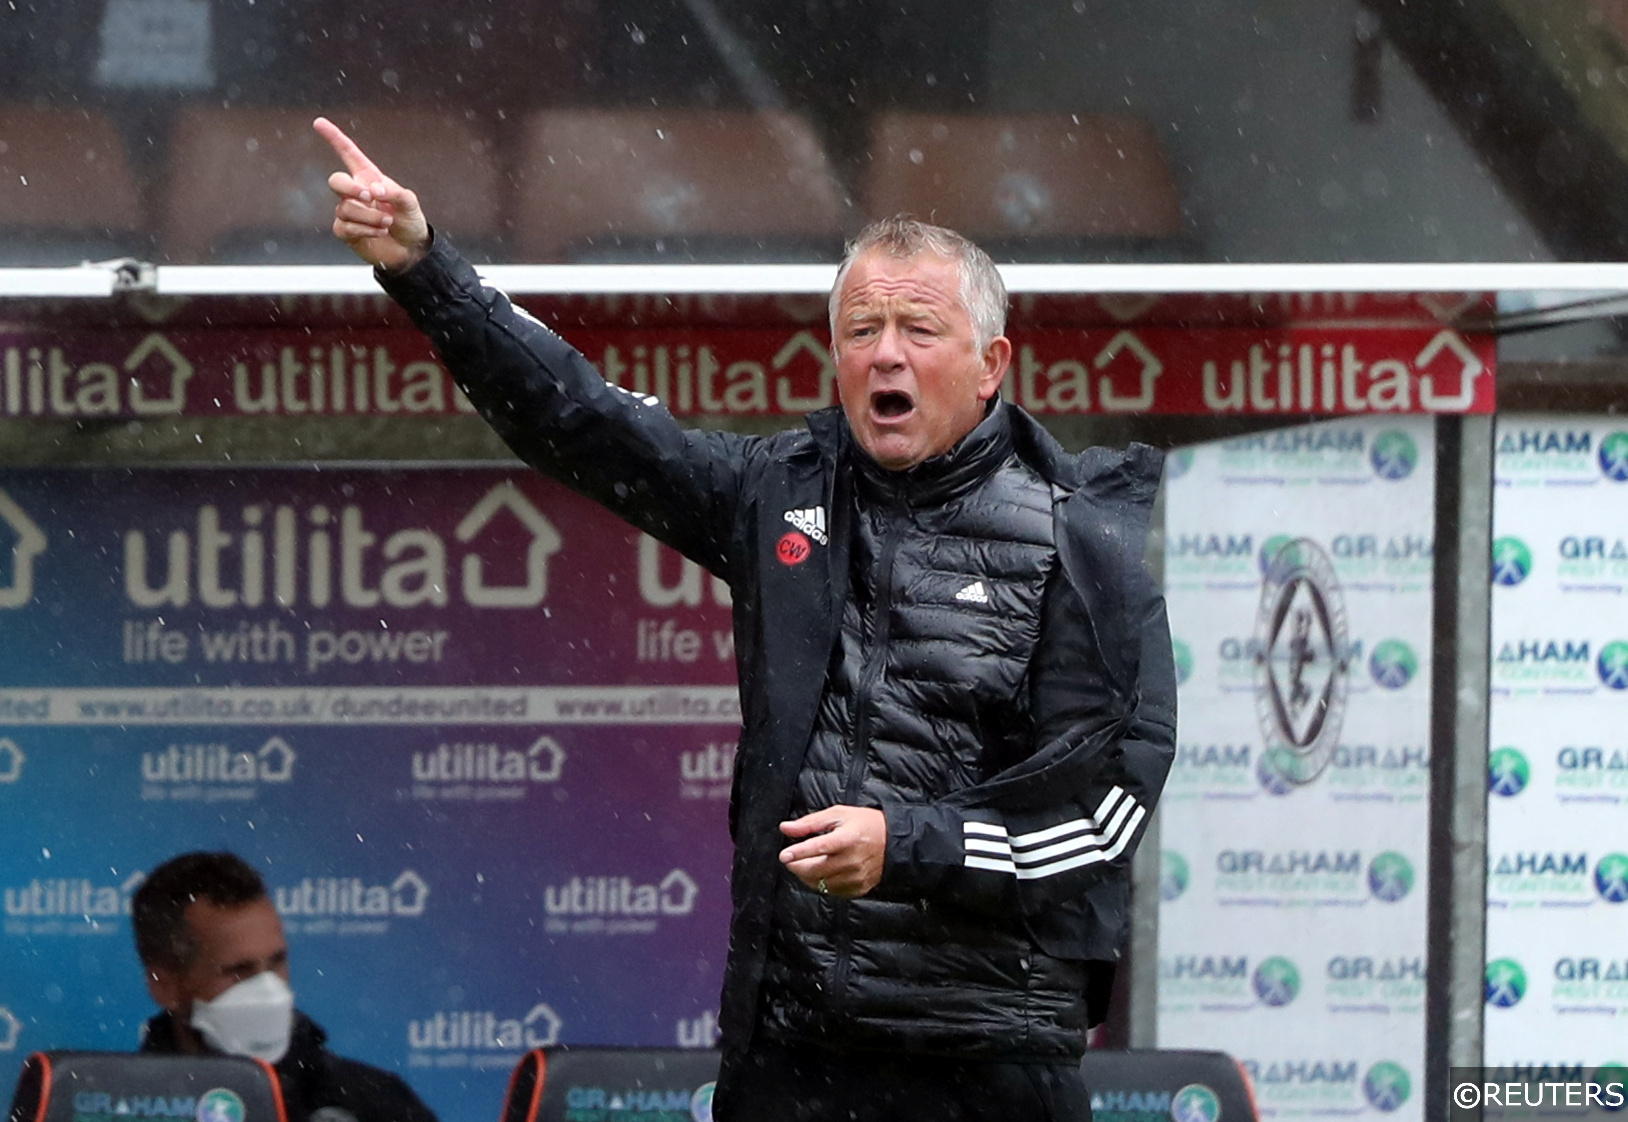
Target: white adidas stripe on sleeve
pixel 1074 825
pixel 1089 858
pixel 1078 842
pixel 988 845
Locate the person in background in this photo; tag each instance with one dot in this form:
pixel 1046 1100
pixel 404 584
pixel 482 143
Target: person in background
pixel 212 948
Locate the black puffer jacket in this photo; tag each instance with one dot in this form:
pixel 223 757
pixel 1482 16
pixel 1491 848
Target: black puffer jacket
pixel 1021 850
pixel 930 694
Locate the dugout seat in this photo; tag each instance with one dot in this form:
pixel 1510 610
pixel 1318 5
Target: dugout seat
pixel 1029 185
pixel 250 186
pixel 64 1086
pixel 1185 1086
pixel 549 1082
pixel 675 185
pixel 67 193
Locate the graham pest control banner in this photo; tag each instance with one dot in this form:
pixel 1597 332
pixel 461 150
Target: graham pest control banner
pixel 1557 845
pixel 1294 825
pixel 477 734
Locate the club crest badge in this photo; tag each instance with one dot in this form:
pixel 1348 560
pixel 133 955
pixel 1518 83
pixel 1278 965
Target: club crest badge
pixel 1302 661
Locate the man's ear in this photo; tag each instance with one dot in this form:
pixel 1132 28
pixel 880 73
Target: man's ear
pixel 164 984
pixel 997 357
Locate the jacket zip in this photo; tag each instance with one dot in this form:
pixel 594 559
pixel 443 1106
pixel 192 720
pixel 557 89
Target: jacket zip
pixel 875 661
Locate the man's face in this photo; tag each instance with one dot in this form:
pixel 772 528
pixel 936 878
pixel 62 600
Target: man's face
pixel 911 377
pixel 233 944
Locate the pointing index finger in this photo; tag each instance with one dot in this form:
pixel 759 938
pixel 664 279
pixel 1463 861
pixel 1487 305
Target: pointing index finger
pixel 355 160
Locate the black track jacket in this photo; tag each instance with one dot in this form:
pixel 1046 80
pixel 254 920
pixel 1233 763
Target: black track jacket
pixel 1024 843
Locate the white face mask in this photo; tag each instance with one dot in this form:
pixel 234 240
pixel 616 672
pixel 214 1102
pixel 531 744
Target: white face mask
pixel 253 1018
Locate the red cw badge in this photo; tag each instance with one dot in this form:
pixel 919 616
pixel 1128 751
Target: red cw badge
pixel 793 548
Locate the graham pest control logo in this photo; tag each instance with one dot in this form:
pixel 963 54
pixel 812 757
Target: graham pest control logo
pixel 1511 562
pixel 1535 454
pixel 1611 1072
pixel 1375 984
pixel 1393 664
pixel 1178 463
pixel 1614 457
pixel 1302 660
pixel 1195 1103
pixel 1276 981
pixel 1506 983
pixel 1508 772
pixel 1390 877
pixel 1269 550
pixel 1393 455
pixel 1611 878
pixel 701 1102
pixel 1183 655
pixel 1174 875
pixel 1613 665
pixel 1273 769
pixel 1387 1086
pixel 220 1105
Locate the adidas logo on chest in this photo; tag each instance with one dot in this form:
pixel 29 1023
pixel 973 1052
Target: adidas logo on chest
pixel 974 593
pixel 810 520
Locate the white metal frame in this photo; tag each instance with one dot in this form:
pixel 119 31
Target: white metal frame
pixel 1549 283
pixel 86 280
pixel 1569 279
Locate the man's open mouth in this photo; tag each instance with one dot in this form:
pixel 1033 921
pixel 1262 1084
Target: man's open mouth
pixel 891 404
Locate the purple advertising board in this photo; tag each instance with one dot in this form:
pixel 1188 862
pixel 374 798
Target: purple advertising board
pixel 476 733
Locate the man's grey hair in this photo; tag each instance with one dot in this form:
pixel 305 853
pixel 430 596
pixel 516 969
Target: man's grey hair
pixel 903 236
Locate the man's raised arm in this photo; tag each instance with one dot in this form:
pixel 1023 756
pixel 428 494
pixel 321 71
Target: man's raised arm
pixel 376 216
pixel 622 449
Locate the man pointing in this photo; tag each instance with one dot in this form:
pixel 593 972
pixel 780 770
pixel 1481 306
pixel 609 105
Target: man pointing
pixel 956 680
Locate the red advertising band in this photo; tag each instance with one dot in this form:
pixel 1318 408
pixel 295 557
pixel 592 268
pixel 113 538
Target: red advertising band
pixel 1337 370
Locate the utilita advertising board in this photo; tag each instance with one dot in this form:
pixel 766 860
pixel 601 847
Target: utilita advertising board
pixel 1294 823
pixel 477 735
pixel 77 374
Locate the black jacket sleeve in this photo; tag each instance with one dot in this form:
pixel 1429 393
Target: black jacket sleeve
pixel 548 403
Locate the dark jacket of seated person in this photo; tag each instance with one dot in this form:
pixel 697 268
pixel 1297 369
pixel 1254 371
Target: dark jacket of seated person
pixel 317 1084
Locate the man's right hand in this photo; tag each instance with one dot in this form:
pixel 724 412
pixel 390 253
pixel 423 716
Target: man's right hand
pixel 376 216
